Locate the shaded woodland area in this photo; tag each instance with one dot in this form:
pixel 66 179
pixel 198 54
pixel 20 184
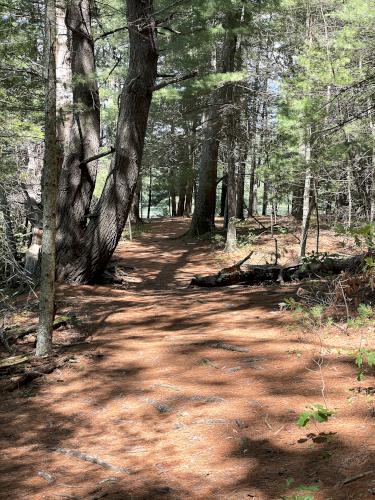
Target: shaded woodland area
pixel 187 224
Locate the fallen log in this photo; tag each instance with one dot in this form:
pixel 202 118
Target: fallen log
pixel 29 376
pixel 12 361
pixel 11 335
pixel 260 274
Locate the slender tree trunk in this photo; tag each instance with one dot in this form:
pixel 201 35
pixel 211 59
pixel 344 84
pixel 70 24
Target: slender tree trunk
pixel 229 55
pixel 307 205
pixel 64 96
pixel 231 241
pixel 107 223
pixel 241 185
pixel 224 193
pixel 349 178
pixel 190 175
pixel 9 233
pixel 255 197
pixel 149 195
pixel 265 197
pixel 250 208
pixel 372 181
pixel 174 204
pixel 189 199
pixel 49 191
pixel 77 179
pixel 135 214
pixel 181 195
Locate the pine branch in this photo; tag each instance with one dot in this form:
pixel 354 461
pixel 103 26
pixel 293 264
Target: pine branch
pixel 178 79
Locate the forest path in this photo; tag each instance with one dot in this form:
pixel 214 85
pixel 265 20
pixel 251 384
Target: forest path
pixel 194 391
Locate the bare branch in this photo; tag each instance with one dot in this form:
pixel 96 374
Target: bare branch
pixel 97 157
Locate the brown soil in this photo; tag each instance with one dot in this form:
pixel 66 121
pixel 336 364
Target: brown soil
pixel 153 390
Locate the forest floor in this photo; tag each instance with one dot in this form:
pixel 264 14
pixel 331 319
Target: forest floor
pixel 178 392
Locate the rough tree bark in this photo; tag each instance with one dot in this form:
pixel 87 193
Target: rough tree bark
pixel 205 203
pixel 203 220
pixel 372 183
pixel 223 198
pixel 107 223
pixel 229 55
pixel 77 179
pixel 9 233
pixel 307 201
pixel 49 191
pixel 135 213
pixel 241 185
pixel 265 197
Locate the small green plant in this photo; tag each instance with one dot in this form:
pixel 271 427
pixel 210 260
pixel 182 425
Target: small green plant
pixel 314 413
pixel 301 488
pixel 217 239
pixel 364 357
pixel 246 239
pixel 363 235
pixel 365 314
pixel 290 304
pixel 315 258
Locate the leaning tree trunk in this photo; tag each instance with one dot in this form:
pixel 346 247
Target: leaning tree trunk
pixel 77 178
pixel 49 191
pixel 108 221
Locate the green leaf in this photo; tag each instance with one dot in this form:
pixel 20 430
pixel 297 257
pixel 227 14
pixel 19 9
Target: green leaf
pixel 359 359
pixel 371 358
pixel 304 419
pixel 360 376
pixel 312 487
pixel 289 481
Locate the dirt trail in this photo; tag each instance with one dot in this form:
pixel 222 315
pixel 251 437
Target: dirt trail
pixel 194 392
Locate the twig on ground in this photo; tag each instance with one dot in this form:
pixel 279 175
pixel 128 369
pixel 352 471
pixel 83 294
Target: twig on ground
pixel 89 458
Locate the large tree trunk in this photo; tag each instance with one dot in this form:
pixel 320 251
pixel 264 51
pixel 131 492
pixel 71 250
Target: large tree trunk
pixel 229 54
pixel 77 179
pixel 204 214
pixel 49 191
pixel 108 221
pixel 205 203
pixel 297 201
